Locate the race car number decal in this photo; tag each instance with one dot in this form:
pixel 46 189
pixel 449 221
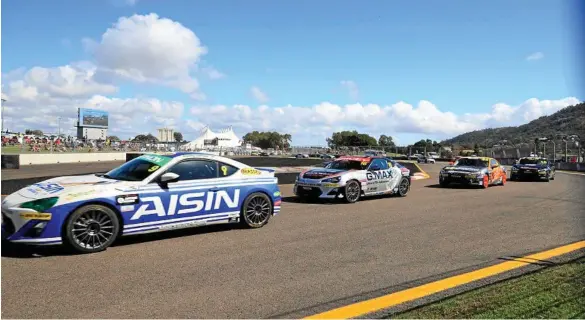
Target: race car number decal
pixel 153 168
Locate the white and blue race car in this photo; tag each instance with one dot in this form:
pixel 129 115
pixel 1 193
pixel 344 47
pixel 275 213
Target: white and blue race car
pixel 352 177
pixel 150 193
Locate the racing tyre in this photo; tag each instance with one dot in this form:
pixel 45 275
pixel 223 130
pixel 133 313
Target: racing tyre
pixel 352 191
pixel 486 182
pixel 443 183
pixel 504 179
pixel 91 229
pixel 403 187
pixel 256 210
pixel 553 176
pixel 547 178
pixel 512 177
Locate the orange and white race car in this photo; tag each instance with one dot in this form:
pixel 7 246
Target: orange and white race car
pixel 474 171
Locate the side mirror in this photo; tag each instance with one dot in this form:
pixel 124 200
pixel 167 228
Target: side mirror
pixel 374 168
pixel 169 177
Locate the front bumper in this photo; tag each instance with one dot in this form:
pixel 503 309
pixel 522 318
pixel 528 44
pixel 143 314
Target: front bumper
pixel 28 227
pixel 316 189
pixel 470 179
pixel 529 174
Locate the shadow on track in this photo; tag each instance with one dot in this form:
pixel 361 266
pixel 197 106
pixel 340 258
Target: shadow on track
pixel 21 251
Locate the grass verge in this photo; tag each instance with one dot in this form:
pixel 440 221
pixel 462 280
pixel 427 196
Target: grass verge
pixel 556 292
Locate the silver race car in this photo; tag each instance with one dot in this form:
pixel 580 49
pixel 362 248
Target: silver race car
pixel 350 178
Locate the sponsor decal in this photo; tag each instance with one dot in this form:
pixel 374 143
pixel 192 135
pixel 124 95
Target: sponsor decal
pixel 79 194
pixel 127 199
pixel 187 203
pixel 126 208
pixel 276 194
pixel 379 175
pixel 155 159
pixel 250 172
pixel 181 225
pixel 48 187
pixel 35 216
pixel 330 185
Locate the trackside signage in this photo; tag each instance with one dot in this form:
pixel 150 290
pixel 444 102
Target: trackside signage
pixel 187 203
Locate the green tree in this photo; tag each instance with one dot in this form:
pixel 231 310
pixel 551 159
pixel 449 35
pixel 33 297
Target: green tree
pixel 145 138
pixel 351 139
pixel 178 136
pixel 386 141
pixel 266 140
pixel 34 132
pixel 113 138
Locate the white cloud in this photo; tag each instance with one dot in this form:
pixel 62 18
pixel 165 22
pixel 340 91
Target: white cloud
pixel 212 73
pixel 162 51
pixel 259 95
pixel 535 56
pixel 351 88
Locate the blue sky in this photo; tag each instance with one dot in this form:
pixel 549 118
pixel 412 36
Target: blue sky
pixel 462 56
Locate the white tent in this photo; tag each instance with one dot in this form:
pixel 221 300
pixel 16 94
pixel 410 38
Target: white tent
pixel 208 139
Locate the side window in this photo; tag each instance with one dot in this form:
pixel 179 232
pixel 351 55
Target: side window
pixel 493 163
pixel 226 170
pixel 382 164
pixel 195 169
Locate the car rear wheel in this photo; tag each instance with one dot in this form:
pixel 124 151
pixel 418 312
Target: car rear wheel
pixel 403 187
pixel 352 191
pixel 91 229
pixel 256 210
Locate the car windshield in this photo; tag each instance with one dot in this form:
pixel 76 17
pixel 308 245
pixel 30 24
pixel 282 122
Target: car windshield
pixel 471 162
pixel 347 165
pixel 139 168
pixel 533 161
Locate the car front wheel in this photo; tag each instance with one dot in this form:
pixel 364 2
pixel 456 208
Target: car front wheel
pixel 91 229
pixel 352 191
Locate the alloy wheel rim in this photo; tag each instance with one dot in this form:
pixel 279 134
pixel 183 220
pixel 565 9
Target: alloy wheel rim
pixel 257 211
pixel 93 229
pixel 352 191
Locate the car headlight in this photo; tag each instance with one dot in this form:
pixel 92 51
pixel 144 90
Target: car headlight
pixel 541 170
pixel 514 169
pixel 40 205
pixel 332 180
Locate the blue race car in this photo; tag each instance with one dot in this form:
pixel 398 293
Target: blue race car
pixel 533 168
pixel 151 193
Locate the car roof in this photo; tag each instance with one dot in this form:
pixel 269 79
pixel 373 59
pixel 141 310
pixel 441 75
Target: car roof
pixel 480 158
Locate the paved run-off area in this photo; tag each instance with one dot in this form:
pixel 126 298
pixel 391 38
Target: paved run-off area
pixel 308 259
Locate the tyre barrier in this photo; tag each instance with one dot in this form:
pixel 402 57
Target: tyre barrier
pixel 10 161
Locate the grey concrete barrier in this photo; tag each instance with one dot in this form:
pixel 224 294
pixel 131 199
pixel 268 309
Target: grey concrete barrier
pixel 11 186
pixel 569 166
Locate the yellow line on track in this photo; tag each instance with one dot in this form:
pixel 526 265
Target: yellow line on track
pixel 394 299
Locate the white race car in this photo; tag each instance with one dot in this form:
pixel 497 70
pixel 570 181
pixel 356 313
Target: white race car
pixel 350 178
pixel 150 193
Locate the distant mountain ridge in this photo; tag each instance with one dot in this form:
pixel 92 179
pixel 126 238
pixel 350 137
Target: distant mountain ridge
pixel 570 120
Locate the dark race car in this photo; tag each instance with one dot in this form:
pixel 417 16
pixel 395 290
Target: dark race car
pixel 533 168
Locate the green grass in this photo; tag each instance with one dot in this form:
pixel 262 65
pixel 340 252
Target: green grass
pixel 556 292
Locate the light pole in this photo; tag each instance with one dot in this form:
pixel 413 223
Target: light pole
pixel 59 132
pixel 545 140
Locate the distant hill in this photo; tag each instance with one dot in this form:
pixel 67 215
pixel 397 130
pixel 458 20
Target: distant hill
pixel 570 120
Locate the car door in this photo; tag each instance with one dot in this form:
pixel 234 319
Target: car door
pixel 189 199
pixel 496 170
pixel 379 176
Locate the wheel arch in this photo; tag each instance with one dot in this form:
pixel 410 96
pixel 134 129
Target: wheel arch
pixel 258 191
pixel 96 202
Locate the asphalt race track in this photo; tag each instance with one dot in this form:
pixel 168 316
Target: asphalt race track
pixel 306 257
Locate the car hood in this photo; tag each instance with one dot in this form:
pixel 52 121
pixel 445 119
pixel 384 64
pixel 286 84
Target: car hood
pixel 67 186
pixel 463 169
pixel 320 173
pixel 530 166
